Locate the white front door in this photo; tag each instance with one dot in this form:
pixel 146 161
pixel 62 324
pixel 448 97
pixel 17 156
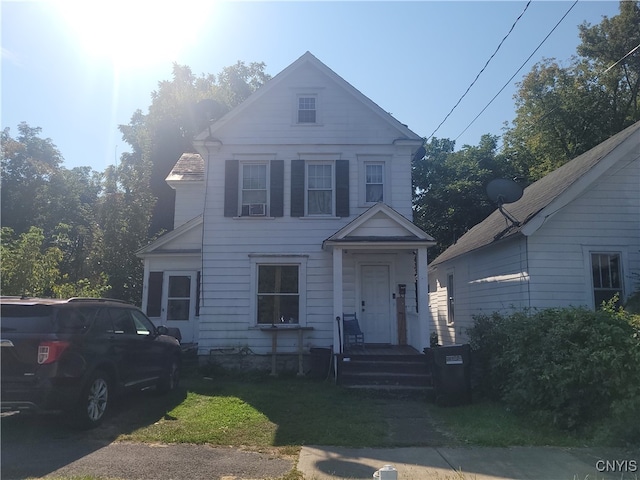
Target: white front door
pixel 179 303
pixel 375 304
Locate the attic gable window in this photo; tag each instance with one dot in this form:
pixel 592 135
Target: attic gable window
pixel 307 109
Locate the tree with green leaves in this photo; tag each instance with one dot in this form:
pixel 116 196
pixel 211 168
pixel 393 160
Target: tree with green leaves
pixel 180 109
pixel 27 163
pixel 449 187
pixel 38 192
pixel 28 266
pixel 565 111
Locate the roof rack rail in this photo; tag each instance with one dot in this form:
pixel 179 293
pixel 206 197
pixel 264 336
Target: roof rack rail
pixel 93 299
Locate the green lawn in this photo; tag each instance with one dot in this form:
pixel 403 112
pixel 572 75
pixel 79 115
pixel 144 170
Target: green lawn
pixel 263 412
pixel 289 412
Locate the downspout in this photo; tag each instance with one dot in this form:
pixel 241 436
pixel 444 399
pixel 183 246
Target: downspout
pixel 204 208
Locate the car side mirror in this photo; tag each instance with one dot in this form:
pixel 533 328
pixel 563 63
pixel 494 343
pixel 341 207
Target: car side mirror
pixel 162 330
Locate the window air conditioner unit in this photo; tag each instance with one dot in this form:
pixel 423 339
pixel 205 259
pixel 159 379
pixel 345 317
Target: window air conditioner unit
pixel 257 210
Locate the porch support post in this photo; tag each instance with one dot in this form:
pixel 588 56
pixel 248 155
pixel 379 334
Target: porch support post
pixel 337 298
pixel 424 316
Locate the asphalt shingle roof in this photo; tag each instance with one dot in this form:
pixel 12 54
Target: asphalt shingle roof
pixel 190 167
pixel 535 197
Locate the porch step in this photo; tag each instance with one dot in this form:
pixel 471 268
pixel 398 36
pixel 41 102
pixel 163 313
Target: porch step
pixel 386 372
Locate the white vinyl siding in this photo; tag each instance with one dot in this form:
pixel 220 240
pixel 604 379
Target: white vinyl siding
pixel 606 218
pixel 553 266
pixel 345 129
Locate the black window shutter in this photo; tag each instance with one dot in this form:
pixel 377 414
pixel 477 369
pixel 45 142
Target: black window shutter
pixel 231 169
pixel 297 188
pixel 198 294
pixel 277 188
pixel 154 298
pixel 342 188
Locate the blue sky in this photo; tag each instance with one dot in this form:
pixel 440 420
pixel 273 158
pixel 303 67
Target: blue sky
pixel 79 72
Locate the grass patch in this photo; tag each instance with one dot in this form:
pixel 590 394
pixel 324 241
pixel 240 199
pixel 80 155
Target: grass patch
pixel 267 412
pixel 288 412
pixel 492 425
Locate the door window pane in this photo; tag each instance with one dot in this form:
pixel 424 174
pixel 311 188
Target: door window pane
pixel 179 299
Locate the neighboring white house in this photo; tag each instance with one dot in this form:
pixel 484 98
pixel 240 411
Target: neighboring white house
pixel 296 209
pixel 577 243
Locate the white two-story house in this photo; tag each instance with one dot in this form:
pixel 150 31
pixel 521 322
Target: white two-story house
pixel 295 210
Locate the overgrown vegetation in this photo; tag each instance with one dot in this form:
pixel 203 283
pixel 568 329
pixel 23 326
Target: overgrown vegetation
pixel 572 368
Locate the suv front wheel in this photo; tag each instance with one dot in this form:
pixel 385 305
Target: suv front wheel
pixel 94 401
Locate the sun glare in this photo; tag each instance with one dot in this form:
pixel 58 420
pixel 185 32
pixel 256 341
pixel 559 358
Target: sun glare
pixel 135 33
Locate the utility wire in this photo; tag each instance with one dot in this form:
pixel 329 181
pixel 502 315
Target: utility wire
pixel 482 70
pixel 596 78
pixel 632 50
pixel 518 71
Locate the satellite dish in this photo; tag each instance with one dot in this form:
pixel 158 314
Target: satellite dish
pixel 504 190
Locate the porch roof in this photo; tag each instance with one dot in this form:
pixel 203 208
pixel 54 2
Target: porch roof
pixel 380 226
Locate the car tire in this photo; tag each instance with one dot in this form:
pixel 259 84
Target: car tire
pixel 94 401
pixel 170 378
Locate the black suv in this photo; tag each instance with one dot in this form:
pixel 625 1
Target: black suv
pixel 76 355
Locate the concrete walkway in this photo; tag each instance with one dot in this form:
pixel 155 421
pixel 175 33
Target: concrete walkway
pixel 470 463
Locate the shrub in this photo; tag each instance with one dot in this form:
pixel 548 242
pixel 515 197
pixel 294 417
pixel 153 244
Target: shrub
pixel 568 366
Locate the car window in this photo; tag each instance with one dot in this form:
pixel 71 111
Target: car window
pixel 122 321
pixel 103 323
pixel 27 319
pixel 75 320
pixel 143 324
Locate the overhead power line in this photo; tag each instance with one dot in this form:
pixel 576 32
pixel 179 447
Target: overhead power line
pixel 482 70
pixel 518 71
pixel 632 50
pixel 597 78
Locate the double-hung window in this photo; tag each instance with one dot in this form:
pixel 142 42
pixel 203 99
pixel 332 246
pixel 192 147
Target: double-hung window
pixel 254 189
pixel 320 195
pixel 607 277
pixel 307 109
pixel 374 182
pixel 278 294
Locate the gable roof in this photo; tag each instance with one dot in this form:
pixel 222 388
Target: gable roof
pixel 543 198
pixel 403 131
pixel 380 224
pixel 190 167
pixel 155 246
